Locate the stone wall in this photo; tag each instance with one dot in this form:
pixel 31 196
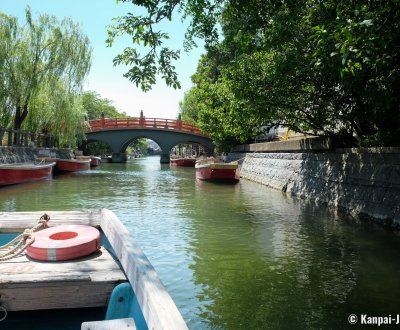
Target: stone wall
pixel 27 154
pixel 363 183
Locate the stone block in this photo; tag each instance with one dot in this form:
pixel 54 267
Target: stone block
pixel 300 145
pixel 358 182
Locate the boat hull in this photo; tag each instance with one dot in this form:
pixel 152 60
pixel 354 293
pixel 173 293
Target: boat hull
pixel 95 161
pixel 19 173
pixel 72 165
pixel 210 173
pixel 99 281
pixel 186 162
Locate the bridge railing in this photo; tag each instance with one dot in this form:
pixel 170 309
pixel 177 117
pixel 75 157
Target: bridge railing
pixel 175 124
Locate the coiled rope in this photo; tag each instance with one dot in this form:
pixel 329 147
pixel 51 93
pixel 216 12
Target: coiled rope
pixel 18 245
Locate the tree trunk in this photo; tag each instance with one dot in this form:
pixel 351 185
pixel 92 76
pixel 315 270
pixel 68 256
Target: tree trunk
pixel 20 115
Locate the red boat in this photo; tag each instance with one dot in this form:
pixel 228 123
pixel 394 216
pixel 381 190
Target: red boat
pixel 24 172
pixel 72 165
pixel 94 161
pixel 187 162
pixel 216 170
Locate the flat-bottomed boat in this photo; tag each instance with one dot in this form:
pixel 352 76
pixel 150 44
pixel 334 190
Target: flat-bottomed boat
pixel 24 172
pixel 115 287
pixel 211 169
pixel 185 162
pixel 95 161
pixel 72 165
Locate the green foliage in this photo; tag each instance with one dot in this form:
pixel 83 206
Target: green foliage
pixel 94 106
pixel 138 147
pixel 154 58
pixel 325 68
pixel 56 111
pixel 43 66
pixel 157 59
pixel 362 39
pixel 8 31
pixel 96 148
pixel 321 67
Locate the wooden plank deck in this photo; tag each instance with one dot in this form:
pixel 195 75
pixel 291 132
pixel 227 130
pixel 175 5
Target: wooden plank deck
pixel 30 285
pixel 84 282
pixel 19 221
pixel 27 285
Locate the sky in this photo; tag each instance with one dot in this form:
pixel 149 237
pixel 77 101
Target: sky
pixel 94 16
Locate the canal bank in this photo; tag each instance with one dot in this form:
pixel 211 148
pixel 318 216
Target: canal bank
pixel 14 154
pixel 362 182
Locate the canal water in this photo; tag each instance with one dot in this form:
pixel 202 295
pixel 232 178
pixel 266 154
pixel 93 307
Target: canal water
pixel 238 256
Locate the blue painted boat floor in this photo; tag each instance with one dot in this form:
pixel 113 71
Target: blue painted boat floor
pixel 57 319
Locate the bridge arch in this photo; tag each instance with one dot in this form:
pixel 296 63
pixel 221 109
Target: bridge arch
pixel 119 139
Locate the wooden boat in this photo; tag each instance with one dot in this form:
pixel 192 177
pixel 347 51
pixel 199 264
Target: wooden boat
pixel 95 161
pixel 186 162
pixel 24 172
pixel 213 169
pixel 106 159
pixel 73 294
pixel 72 165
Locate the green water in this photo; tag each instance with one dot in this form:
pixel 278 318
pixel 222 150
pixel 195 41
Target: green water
pixel 236 256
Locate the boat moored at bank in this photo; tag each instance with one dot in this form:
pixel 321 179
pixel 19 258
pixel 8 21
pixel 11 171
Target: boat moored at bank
pixel 72 165
pixel 95 161
pixel 68 165
pixel 185 162
pixel 24 172
pixel 214 169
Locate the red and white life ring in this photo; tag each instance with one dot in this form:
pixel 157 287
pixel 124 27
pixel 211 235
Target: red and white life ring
pixel 64 242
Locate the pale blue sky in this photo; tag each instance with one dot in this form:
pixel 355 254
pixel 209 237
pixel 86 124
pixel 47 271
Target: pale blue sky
pixel 105 79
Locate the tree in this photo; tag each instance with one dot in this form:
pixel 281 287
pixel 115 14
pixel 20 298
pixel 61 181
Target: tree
pixel 138 147
pixel 43 52
pixel 7 30
pixel 321 67
pixel 58 112
pixel 362 38
pixel 217 111
pixel 157 58
pixel 95 106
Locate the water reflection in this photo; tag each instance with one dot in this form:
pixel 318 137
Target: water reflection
pixel 235 256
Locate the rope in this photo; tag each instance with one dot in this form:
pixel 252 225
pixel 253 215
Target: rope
pixel 18 245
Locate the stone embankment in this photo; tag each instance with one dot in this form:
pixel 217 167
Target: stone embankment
pixel 27 154
pixel 362 182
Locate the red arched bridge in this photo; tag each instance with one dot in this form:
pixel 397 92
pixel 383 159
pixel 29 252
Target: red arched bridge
pixel 118 133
